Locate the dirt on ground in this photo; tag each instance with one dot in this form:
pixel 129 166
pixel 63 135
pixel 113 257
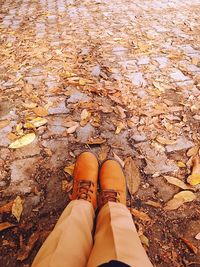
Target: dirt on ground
pixel 120 78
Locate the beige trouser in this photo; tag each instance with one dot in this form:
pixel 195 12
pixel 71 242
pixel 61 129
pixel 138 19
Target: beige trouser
pixel 71 244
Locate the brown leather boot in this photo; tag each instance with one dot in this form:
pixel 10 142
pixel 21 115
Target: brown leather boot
pixel 112 183
pixel 85 178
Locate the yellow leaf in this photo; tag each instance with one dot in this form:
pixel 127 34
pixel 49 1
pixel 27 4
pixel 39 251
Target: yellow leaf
pixel 29 125
pixel 194 179
pixel 177 182
pixel 179 199
pixel 17 208
pixel 85 117
pixel 4 123
pixel 120 126
pixel 23 141
pixel 181 164
pixel 144 240
pixel 159 86
pixel 40 111
pixel 69 169
pixel 19 129
pixel 37 122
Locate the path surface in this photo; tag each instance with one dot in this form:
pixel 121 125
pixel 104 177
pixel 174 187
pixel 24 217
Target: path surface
pixel 131 70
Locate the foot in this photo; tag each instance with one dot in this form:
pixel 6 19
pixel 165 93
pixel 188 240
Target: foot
pixel 85 178
pixel 112 183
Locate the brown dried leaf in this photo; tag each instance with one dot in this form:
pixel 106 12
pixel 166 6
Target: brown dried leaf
pixel 73 128
pixel 40 111
pixel 17 208
pixel 141 215
pixel 29 105
pixel 165 141
pixel 4 123
pixel 6 208
pixel 26 249
pixel 132 174
pixel 67 186
pixel 179 199
pixel 153 204
pixel 177 182
pixel 96 141
pixel 190 245
pixel 118 159
pixel 193 151
pixel 6 225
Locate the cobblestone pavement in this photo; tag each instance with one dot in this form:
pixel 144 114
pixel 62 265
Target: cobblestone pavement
pixel 125 72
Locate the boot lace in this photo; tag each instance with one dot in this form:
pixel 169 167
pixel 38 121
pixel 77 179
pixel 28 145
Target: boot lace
pixel 85 189
pixel 110 195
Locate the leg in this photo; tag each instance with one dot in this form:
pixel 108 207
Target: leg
pixel 70 242
pixel 116 238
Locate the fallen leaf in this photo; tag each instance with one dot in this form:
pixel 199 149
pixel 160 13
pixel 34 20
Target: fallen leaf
pixel 37 122
pixel 6 225
pixel 120 126
pixel 144 240
pixel 17 208
pixel 119 160
pixel 141 215
pixel 181 164
pixel 132 174
pixel 4 123
pixel 29 105
pixel 29 125
pixel 177 182
pixel 73 128
pixel 190 245
pixel 67 186
pixel 193 151
pixel 103 153
pixel 165 141
pixel 26 249
pixel 120 111
pixel 12 136
pixel 179 199
pixel 96 141
pixel 23 141
pixel 19 129
pixel 40 111
pixel 194 178
pixel 153 204
pixel 6 208
pixel 85 117
pixel 197 236
pixel 69 169
pixel 159 86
